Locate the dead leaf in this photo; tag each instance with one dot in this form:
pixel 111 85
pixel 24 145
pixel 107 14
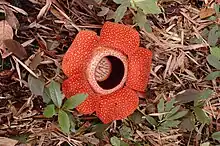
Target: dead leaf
pixel 187 96
pixel 4 141
pixel 16 48
pixel 206 12
pixel 10 17
pixel 36 61
pixel 36 85
pixel 5 73
pixel 6 32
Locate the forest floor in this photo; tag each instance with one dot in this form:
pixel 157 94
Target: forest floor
pixel 182 104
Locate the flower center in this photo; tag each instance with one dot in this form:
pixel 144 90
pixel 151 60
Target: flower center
pixel 103 70
pixel 107 70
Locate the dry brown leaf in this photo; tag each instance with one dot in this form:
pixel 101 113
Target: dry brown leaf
pixel 16 48
pixel 6 32
pixel 36 61
pixel 10 17
pixel 4 141
pixel 45 9
pixel 206 12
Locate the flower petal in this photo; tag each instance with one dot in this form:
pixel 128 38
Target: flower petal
pixel 117 105
pixel 78 84
pixel 139 69
pixel 75 59
pixel 120 37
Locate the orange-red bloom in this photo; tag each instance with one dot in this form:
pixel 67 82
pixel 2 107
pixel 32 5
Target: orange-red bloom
pixel 111 68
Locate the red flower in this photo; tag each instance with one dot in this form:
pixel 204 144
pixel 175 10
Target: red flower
pixel 110 68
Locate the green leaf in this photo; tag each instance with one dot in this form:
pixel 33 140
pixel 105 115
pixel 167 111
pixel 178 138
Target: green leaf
pixel 36 85
pixel 205 94
pixel 46 95
pixel 215 51
pixel 74 101
pixel 140 19
pixel 120 12
pixel 136 117
pixel 115 141
pixel 216 135
pixel 160 107
pixel 178 115
pixel 148 6
pixel 201 115
pixel 49 111
pixel 213 61
pixel 151 120
pixel 55 93
pixel 125 132
pixel 173 111
pixel 217 8
pixel 64 121
pixel 169 104
pixel 171 124
pixel 121 1
pixel 213 36
pixel 213 75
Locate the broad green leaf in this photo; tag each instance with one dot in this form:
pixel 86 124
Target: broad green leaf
pixel 140 19
pixel 36 85
pixel 213 36
pixel 55 93
pixel 115 141
pixel 169 104
pixel 213 61
pixel 163 129
pixel 202 96
pixel 205 94
pixel 173 111
pixel 216 135
pixel 151 120
pixel 125 131
pixel 187 96
pixel 46 95
pixel 64 121
pixel 49 111
pixel 215 51
pixel 148 6
pixel 213 75
pixel 160 107
pixel 120 12
pixel 74 101
pixel 99 129
pixel 178 115
pixel 121 1
pixel 201 115
pixel 171 124
pixel 136 117
pixel 217 8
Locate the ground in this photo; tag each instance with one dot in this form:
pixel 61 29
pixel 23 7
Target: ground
pixel 182 38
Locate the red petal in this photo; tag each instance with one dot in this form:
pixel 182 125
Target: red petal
pixel 75 59
pixel 78 84
pixel 139 69
pixel 117 105
pixel 120 37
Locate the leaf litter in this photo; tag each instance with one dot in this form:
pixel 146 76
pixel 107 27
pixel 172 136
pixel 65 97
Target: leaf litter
pixel 179 69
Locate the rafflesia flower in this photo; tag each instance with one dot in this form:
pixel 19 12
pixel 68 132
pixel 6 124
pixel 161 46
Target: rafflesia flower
pixel 111 69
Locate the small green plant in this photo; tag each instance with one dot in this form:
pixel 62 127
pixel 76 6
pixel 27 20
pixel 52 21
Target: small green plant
pixel 173 113
pixel 55 106
pixel 140 9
